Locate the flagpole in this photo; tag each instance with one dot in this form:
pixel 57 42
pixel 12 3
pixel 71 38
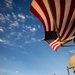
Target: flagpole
pixel 66 40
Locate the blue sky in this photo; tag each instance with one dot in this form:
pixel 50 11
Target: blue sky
pixel 22 51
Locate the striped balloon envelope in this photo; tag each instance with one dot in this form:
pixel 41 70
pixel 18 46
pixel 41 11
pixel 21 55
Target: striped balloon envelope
pixel 58 20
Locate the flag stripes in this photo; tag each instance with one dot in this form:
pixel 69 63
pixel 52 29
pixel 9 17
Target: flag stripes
pixel 43 8
pixel 68 12
pixel 62 12
pixel 44 13
pixel 62 5
pixel 66 26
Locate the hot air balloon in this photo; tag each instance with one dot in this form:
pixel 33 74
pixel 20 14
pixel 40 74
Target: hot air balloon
pixel 58 20
pixel 72 62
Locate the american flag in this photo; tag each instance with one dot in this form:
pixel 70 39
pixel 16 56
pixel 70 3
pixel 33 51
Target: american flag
pixel 56 13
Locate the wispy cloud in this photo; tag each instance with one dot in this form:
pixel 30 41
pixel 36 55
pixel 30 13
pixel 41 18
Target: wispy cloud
pixel 2 40
pixel 10 72
pixel 21 16
pixel 15 17
pixel 12 25
pixel 72 51
pixel 19 35
pixel 35 40
pixel 33 29
pixel 15 23
pixel 6 42
pixel 29 28
pixel 2 18
pixel 7 17
pixel 39 26
pixel 1 29
pixel 27 42
pixel 30 17
pixel 8 3
pixel 12 33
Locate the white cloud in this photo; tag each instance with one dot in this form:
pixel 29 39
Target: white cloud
pixel 7 17
pixel 21 16
pixel 1 29
pixel 10 72
pixel 9 3
pixel 30 17
pixel 27 42
pixel 38 26
pixel 19 35
pixel 17 71
pixel 12 33
pixel 34 39
pixel 27 27
pixel 2 18
pixel 33 29
pixel 1 40
pixel 39 40
pixel 15 17
pixel 15 23
pixel 6 42
pixel 72 51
